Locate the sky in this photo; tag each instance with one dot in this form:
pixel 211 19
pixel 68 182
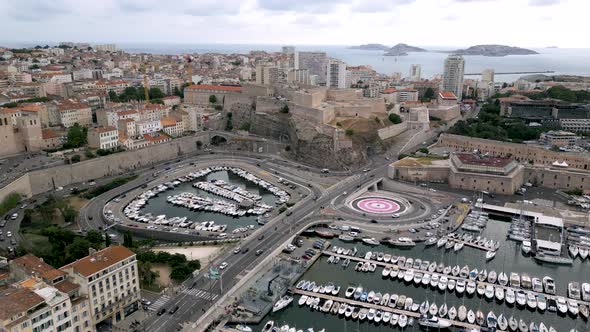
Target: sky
pixel 524 23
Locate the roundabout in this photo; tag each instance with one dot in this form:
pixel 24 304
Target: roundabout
pixel 377 205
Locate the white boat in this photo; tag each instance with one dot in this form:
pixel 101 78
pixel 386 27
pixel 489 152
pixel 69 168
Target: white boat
pixel 345 238
pixel 451 285
pixel 512 323
pixel 514 280
pixel 243 328
pixel 561 305
pixel 424 307
pixel 510 296
pixel 460 286
pixel 441 242
pixel 402 242
pixel 370 241
pixel 394 319
pixel 573 307
pixel 458 246
pixel 520 298
pixel 586 291
pixel 433 322
pixel 481 289
pixel 502 322
pixel 500 294
pixel 492 276
pixel 282 303
pixel 573 251
pixel 349 292
pixel 531 300
pixel 541 302
pixel 502 279
pixel 268 326
pixel 386 271
pixel 489 293
pixel 470 288
pixel 583 253
pixel 443 310
pixel 433 310
pixel 409 275
pixel 430 241
pixel 491 320
pixel 573 290
pixel 471 316
pixel 553 259
pixel 443 282
pixel 462 314
pixel 526 247
pixel 549 285
pixel 490 255
pixel 302 300
pixel 403 321
pixel 452 313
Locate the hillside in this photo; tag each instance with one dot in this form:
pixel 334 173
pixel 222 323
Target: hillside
pixel 403 49
pixel 371 47
pixel 494 50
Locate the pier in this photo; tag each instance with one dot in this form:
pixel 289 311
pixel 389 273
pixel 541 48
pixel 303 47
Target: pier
pixel 356 303
pixel 450 276
pixel 470 244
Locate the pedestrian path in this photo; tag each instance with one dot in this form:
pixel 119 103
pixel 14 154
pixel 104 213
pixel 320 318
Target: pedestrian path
pixel 200 293
pixel 159 303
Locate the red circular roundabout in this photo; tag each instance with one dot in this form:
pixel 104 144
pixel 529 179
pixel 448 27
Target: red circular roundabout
pixel 377 205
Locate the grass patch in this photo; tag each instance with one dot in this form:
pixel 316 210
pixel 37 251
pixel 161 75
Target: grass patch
pixel 9 203
pixel 37 244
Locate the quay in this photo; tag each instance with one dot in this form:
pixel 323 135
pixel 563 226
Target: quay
pixel 515 73
pixel 375 306
pixel 450 276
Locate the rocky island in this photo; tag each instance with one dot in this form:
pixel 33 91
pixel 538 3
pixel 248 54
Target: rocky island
pixel 494 50
pixel 403 49
pixel 371 47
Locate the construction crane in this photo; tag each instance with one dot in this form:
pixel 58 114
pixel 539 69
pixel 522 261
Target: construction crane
pixel 145 85
pixel 189 60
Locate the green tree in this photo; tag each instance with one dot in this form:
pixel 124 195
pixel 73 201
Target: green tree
pixel 245 126
pixel 94 237
pixel 394 118
pixel 428 94
pixel 128 240
pixel 76 136
pixel 89 154
pixel 284 109
pixel 113 96
pixel 178 92
pixel 107 240
pixel 213 99
pixel 349 132
pixel 77 249
pixel 75 158
pixel 423 150
pixel 156 93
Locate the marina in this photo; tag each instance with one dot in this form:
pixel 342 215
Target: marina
pixel 499 297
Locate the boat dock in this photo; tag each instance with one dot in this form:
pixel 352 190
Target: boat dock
pixel 472 245
pixel 450 276
pixel 368 305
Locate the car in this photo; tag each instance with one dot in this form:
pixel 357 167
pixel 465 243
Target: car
pixel 245 250
pixel 59 188
pixel 412 230
pixel 6 217
pixel 237 250
pixel 9 233
pixel 259 252
pixel 23 206
pixel 90 217
pixel 146 302
pixel 373 221
pixel 14 216
pixel 261 237
pixel 365 170
pixel 395 215
pixel 173 310
pixel 223 265
pixel 161 311
pixel 1 237
pixel 13 242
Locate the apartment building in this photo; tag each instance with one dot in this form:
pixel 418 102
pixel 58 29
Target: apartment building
pixel 18 308
pixel 103 138
pixel 454 70
pixel 395 96
pixel 336 74
pixel 267 75
pixel 172 126
pixel 148 126
pixel 72 111
pixel 110 280
pixel 314 62
pixel 118 86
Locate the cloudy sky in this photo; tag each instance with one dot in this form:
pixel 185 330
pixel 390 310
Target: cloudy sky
pixel 526 23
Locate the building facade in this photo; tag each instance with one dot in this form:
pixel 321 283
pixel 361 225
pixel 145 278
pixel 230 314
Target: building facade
pixel 103 138
pixel 453 75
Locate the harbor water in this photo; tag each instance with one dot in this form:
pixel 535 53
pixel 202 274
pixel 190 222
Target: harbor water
pixel 508 259
pixel 158 205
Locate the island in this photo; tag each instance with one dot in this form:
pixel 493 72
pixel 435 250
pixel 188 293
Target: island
pixel 371 47
pixel 494 50
pixel 403 49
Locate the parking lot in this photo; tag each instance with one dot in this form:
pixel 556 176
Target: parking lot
pixel 13 167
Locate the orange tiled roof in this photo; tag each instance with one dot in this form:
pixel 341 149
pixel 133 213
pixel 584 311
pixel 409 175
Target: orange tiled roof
pixel 216 87
pixel 447 95
pixel 168 121
pixel 16 300
pixel 49 133
pixel 34 265
pixel 102 259
pixel 66 286
pixel 158 138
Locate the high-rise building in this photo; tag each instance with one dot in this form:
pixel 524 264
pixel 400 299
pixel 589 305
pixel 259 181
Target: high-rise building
pixel 336 74
pixel 106 47
pixel 314 62
pixel 267 75
pixel 288 50
pixel 415 72
pixel 298 76
pixel 487 75
pixel 453 75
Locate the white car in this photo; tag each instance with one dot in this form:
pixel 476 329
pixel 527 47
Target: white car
pixel 23 206
pixel 14 216
pixel 237 250
pixel 223 265
pixel 9 234
pixel 396 215
pixel 151 227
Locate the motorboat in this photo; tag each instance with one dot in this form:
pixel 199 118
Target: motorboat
pixel 447 270
pixel 432 267
pixel 394 272
pixel 403 321
pixel 525 281
pixel 392 301
pixel 537 285
pixel 430 241
pixel 462 314
pixel 394 319
pixel 522 326
pixel 349 291
pixel 491 320
pixel 386 271
pixel 514 280
pixel 490 255
pixel 409 275
pixel 403 242
pixel 440 267
pixel 451 285
pixel 443 282
pixel 526 247
pixel 401 301
pixel 549 285
pixel 455 271
pixel 243 328
pixel 470 288
pixel 452 313
pixel 561 305
pixel 499 294
pixel 502 322
pixel 512 323
pixel 583 252
pixel 489 293
pixel 520 298
pixel 541 302
pixel 573 290
pixel 464 271
pixel 531 300
pixel 584 311
pixel 510 296
pixel 586 291
pixel 553 259
pixel 426 279
pixel 268 326
pixel 282 303
pixel 543 328
pixel 433 322
pixel 481 289
pixel 573 250
pixel 441 242
pixel 302 300
pixel 573 307
pixel 458 246
pixel 492 277
pixel 502 279
pixel 409 304
pixel 479 317
pixel 434 280
pixel 460 287
pixel 471 317
pixel 418 278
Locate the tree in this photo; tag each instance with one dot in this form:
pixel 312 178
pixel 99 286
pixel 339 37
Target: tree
pixel 423 150
pixel 284 109
pixel 76 136
pixel 113 96
pixel 89 154
pixel 245 126
pixel 77 249
pixel 178 92
pixel 94 237
pixel 107 240
pixel 156 93
pixel 394 118
pixel 75 158
pixel 213 99
pixel 349 132
pixel 128 239
pixel 428 94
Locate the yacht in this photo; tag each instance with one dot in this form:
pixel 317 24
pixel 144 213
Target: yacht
pixel 268 327
pixel 471 316
pixel 434 322
pixel 433 310
pixel 455 271
pixel 573 290
pixel 531 300
pixel 492 276
pixel 492 320
pixel 402 242
pixel 561 305
pixel 452 313
pixel 502 322
pixel 502 279
pixel 370 241
pixel 573 307
pixel 500 294
pixel 537 285
pixel 302 300
pixel 510 296
pixel 490 255
pixel 549 285
pixel 479 317
pixel 514 280
pixel 586 291
pixel 573 251
pixel 526 247
pixel 441 242
pixel 520 298
pixel 583 253
pixel 489 292
pixel 442 311
pixel 553 259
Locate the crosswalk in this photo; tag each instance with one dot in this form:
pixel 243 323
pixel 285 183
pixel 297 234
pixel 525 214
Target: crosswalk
pixel 159 303
pixel 200 293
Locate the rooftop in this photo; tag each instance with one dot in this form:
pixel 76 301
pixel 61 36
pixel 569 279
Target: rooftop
pixel 104 129
pixel 216 87
pixel 482 160
pixel 16 300
pixel 447 95
pixel 100 260
pixel 34 265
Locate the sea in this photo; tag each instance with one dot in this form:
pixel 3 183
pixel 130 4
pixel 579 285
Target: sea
pixel 564 61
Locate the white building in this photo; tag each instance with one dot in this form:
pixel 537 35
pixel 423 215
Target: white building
pixel 267 75
pixel 415 72
pixel 147 126
pixel 110 280
pixel 453 75
pixel 103 138
pixel 314 62
pixel 336 74
pixel 106 47
pixel 300 76
pixel 59 314
pixel 487 75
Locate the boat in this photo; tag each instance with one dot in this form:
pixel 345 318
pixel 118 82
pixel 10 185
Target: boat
pixel 492 277
pixel 553 259
pixel 434 280
pixel 302 300
pixel 462 314
pixel 401 301
pixel 403 321
pixel 450 244
pixel 537 285
pixel 402 242
pixel 394 272
pixel 491 320
pixel 349 291
pixel 502 279
pixel 451 285
pixel 525 281
pixel 500 294
pixel 363 313
pixel 430 241
pixel 447 270
pixel 514 280
pixel 561 305
pixel 394 319
pixel 452 313
pixel 531 300
pixel 387 258
pixel 520 298
pixel 433 322
pixel 489 293
pixel 409 304
pixel 243 328
pixel 327 306
pixel 432 267
pixel 584 311
pixel 371 314
pixel 481 289
pixel 268 326
pixel 392 301
pixel 471 317
pixel 586 291
pixel 549 285
pixel 479 317
pixel 386 271
pixel 573 290
pixel 345 238
pixel 512 323
pixel 409 275
pixel 573 250
pixel 455 271
pixel 424 307
pixel 386 317
pixel 433 310
pixel 573 307
pixel 458 246
pixel 541 302
pixel 483 275
pixel 460 286
pixel 335 308
pixel 490 255
pixel 464 272
pixel 470 288
pixel 443 282
pixel 510 296
pixel 583 253
pixel 533 327
pixel 522 326
pixel 443 310
pixel 441 242
pixel 358 292
pixel 502 322
pixel 282 303
pixel 543 328
pixel 426 279
pixel 526 247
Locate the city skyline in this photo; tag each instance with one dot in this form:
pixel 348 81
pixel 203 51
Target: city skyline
pixel 308 23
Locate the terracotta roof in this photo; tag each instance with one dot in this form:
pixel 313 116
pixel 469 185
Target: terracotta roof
pixel 156 137
pixel 104 129
pixel 168 121
pixel 102 259
pixel 49 133
pixel 16 300
pixel 389 90
pixel 474 159
pixel 447 95
pixel 127 112
pixel 66 286
pixel 34 265
pixel 216 87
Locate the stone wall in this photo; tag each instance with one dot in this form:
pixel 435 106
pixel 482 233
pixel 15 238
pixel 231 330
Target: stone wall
pixel 521 152
pixel 392 131
pixel 315 116
pixel 557 178
pixel 21 185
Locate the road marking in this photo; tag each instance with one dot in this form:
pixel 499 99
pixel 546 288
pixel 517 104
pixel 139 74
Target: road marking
pixel 200 293
pixel 161 301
